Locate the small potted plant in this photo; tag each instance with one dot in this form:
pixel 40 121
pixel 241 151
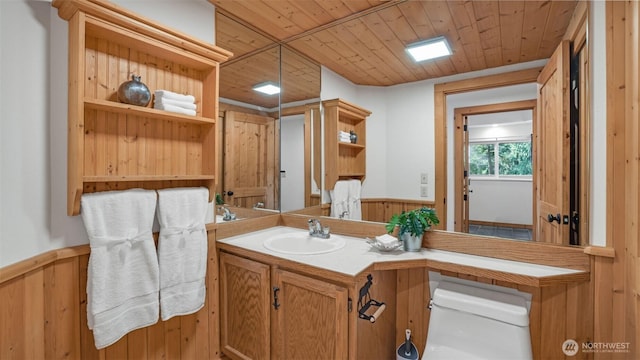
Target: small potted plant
pixel 412 225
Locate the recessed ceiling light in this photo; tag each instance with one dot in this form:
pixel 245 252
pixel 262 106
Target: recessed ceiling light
pixel 429 49
pixel 268 88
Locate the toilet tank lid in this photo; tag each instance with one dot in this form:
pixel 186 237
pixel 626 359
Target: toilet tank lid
pixel 508 308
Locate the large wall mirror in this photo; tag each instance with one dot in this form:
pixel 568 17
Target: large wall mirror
pixel 357 42
pixel 262 151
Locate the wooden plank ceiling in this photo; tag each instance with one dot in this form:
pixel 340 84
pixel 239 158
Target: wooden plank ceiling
pixel 364 40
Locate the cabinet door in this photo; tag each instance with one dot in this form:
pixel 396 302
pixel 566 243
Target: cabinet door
pixel 311 321
pixel 552 163
pixel 244 307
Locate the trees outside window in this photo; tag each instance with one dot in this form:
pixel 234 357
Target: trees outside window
pixel 512 159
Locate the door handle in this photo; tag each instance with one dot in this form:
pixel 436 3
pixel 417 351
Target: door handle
pixel 276 304
pixel 552 218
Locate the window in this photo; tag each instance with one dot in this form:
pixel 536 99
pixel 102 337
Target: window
pixel 512 158
pixel 481 159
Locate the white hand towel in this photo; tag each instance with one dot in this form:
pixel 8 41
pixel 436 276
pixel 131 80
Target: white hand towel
pixel 182 104
pixel 182 250
pixel 122 277
pixel 174 96
pixel 175 109
pixel 339 198
pixel 353 204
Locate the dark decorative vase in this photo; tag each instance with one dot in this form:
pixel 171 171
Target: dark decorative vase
pixel 353 137
pixel 134 92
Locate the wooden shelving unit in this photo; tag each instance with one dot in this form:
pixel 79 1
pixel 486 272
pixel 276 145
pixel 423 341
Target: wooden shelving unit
pixel 344 160
pixel 115 146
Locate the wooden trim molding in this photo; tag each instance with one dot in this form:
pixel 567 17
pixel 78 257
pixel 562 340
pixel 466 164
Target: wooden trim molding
pixel 36 262
pixel 602 251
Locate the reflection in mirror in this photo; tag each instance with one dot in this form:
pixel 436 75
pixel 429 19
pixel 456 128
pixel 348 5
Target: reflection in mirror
pixel 499 164
pixel 249 146
pixel 300 129
pixel 349 47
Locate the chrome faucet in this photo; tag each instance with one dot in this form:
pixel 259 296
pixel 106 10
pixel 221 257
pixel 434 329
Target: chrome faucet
pixel 228 215
pixel 344 213
pixel 258 205
pixel 317 230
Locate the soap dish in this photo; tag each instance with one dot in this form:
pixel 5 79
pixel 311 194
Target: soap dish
pixel 382 247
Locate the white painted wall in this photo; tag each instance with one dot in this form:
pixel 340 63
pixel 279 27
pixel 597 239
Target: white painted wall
pixel 502 201
pixel 292 162
pixel 598 195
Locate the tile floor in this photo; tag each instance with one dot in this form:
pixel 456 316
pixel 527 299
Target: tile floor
pixel 500 231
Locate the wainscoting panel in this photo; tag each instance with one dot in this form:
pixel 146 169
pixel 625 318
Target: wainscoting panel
pixel 44 316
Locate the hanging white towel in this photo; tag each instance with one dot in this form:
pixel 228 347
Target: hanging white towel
pixel 353 203
pixel 174 96
pixel 339 198
pixel 182 250
pixel 122 277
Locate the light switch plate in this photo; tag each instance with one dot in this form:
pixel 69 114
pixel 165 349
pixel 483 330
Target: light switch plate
pixel 424 191
pixel 424 179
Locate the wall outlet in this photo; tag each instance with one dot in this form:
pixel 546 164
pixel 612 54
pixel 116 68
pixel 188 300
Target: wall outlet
pixel 424 191
pixel 424 179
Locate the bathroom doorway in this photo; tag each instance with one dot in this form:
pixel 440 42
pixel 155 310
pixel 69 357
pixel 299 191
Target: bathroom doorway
pixel 494 170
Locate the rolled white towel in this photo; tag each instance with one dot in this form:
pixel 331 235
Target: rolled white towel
pixel 174 96
pixel 182 104
pixel 175 109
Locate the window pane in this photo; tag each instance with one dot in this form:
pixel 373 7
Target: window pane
pixel 514 158
pixel 481 159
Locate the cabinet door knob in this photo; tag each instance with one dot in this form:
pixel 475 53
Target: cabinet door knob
pixel 551 218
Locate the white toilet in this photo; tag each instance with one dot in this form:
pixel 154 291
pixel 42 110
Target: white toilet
pixel 469 322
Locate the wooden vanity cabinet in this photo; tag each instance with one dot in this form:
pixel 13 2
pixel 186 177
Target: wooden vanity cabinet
pixel 344 160
pixel 267 312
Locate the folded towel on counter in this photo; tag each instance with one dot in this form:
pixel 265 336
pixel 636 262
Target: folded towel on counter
pixel 182 104
pixel 182 250
pixel 166 94
pixel 122 274
pixel 387 239
pixel 175 109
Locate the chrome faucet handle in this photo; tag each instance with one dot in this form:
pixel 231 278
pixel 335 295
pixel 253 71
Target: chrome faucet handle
pixel 344 213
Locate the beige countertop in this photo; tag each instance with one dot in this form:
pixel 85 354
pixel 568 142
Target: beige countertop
pixel 357 256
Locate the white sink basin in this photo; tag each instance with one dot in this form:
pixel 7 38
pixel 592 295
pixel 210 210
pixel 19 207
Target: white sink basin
pixel 303 244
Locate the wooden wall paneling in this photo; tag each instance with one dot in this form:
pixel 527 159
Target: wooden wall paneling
pixel 210 320
pixel 579 310
pixel 553 302
pixel 377 340
pixel 631 292
pixel 62 320
pixel 413 297
pixel 610 310
pixel 12 342
pixel 34 315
